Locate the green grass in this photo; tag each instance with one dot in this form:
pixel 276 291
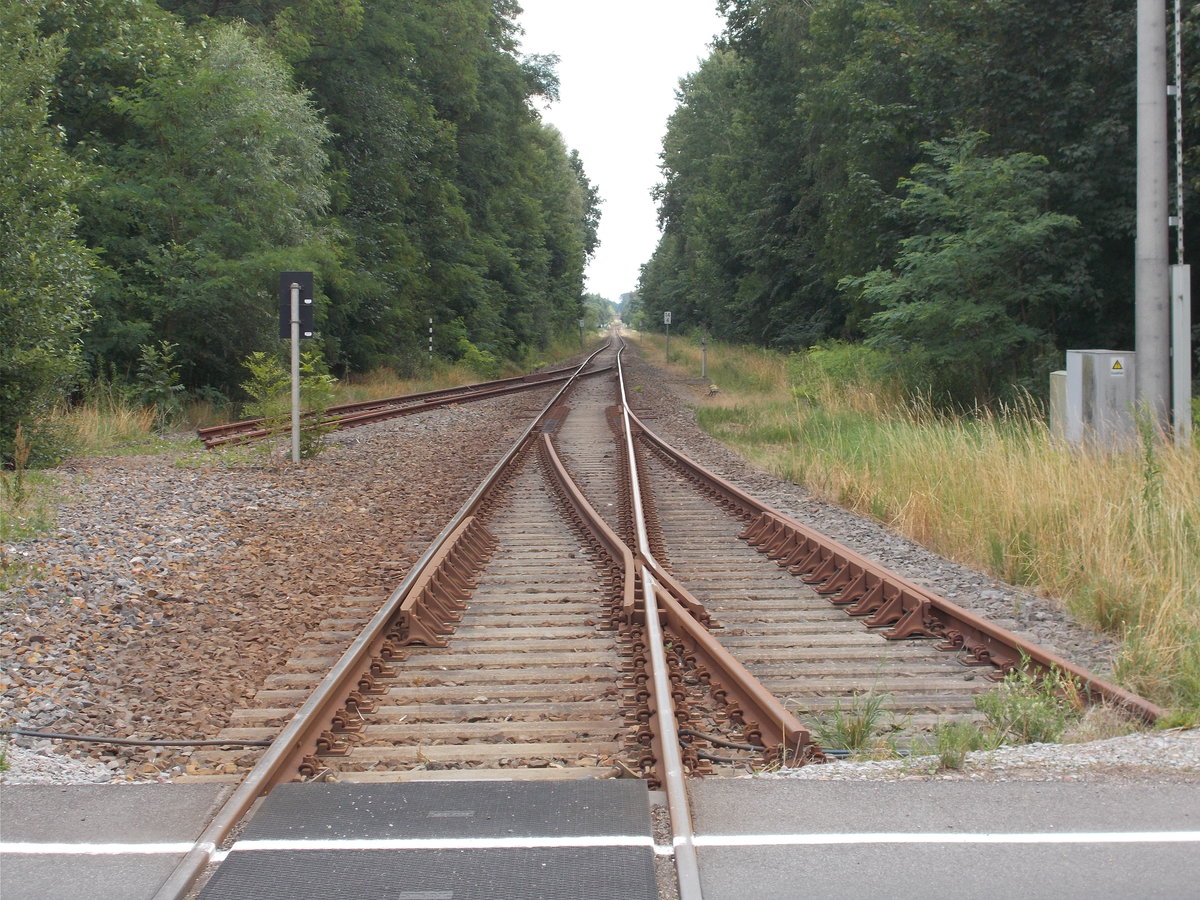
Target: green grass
pixel 28 504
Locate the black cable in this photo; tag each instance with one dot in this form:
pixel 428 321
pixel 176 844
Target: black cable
pixel 848 754
pixel 129 742
pixel 711 757
pixel 720 741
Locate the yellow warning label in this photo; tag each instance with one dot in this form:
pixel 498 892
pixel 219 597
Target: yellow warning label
pixel 1118 367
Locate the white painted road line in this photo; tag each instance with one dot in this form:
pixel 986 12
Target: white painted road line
pixel 530 843
pixel 483 843
pixel 64 849
pixel 514 843
pixel 931 837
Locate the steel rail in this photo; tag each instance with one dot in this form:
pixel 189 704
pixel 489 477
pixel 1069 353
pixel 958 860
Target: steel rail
pixel 865 588
pixel 273 763
pixel 768 723
pixel 687 867
pixel 365 412
pixel 624 566
pixel 375 412
pixel 419 396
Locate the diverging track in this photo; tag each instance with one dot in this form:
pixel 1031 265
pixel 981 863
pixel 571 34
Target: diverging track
pixel 525 641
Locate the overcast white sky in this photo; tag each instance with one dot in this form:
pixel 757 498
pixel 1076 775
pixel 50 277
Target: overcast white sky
pixel 620 63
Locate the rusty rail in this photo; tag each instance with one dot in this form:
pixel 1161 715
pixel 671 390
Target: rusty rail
pixel 884 599
pixel 344 686
pixel 765 720
pixel 364 412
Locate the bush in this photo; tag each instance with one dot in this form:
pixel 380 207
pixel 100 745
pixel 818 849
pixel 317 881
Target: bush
pixel 269 387
pixel 158 382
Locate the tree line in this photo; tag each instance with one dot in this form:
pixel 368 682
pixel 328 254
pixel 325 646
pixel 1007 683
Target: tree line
pixel 951 183
pixel 163 162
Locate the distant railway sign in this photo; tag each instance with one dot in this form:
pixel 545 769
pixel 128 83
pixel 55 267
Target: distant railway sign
pixel 666 318
pixel 305 280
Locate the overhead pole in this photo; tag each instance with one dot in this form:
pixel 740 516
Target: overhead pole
pixel 1152 284
pixel 1181 272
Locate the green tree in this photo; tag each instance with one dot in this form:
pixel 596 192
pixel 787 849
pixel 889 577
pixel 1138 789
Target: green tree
pixel 783 159
pixel 696 270
pixel 298 28
pixel 45 272
pixel 974 294
pixel 220 185
pixel 110 47
pixel 458 202
pixel 425 187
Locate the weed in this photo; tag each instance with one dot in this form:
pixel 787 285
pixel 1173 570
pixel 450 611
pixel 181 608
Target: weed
pixel 26 508
pixel 859 728
pixel 954 740
pixel 15 490
pixel 1149 438
pixel 1100 723
pixel 1028 709
pixel 1178 719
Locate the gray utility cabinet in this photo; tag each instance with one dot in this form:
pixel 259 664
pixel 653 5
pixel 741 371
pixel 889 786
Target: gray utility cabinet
pixel 1092 401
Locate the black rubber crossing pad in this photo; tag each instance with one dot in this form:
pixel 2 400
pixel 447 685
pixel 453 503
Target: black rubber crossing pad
pixel 605 873
pixel 574 811
pixel 502 809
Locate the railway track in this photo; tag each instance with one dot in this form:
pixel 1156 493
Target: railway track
pixel 365 412
pixel 525 642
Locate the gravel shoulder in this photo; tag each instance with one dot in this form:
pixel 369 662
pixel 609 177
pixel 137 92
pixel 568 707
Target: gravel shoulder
pixel 173 584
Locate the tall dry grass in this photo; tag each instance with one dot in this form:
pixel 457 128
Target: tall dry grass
pixel 109 420
pixel 106 423
pixel 1115 535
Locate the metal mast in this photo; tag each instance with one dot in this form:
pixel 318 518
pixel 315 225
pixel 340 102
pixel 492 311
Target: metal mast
pixel 1152 288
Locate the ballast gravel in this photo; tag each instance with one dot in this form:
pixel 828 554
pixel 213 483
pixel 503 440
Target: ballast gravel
pixel 173 584
pixel 1163 756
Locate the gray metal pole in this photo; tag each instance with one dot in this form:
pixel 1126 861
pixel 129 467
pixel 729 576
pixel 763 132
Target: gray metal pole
pixel 1181 273
pixel 1152 288
pixel 1181 356
pixel 295 372
pixel 1177 91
